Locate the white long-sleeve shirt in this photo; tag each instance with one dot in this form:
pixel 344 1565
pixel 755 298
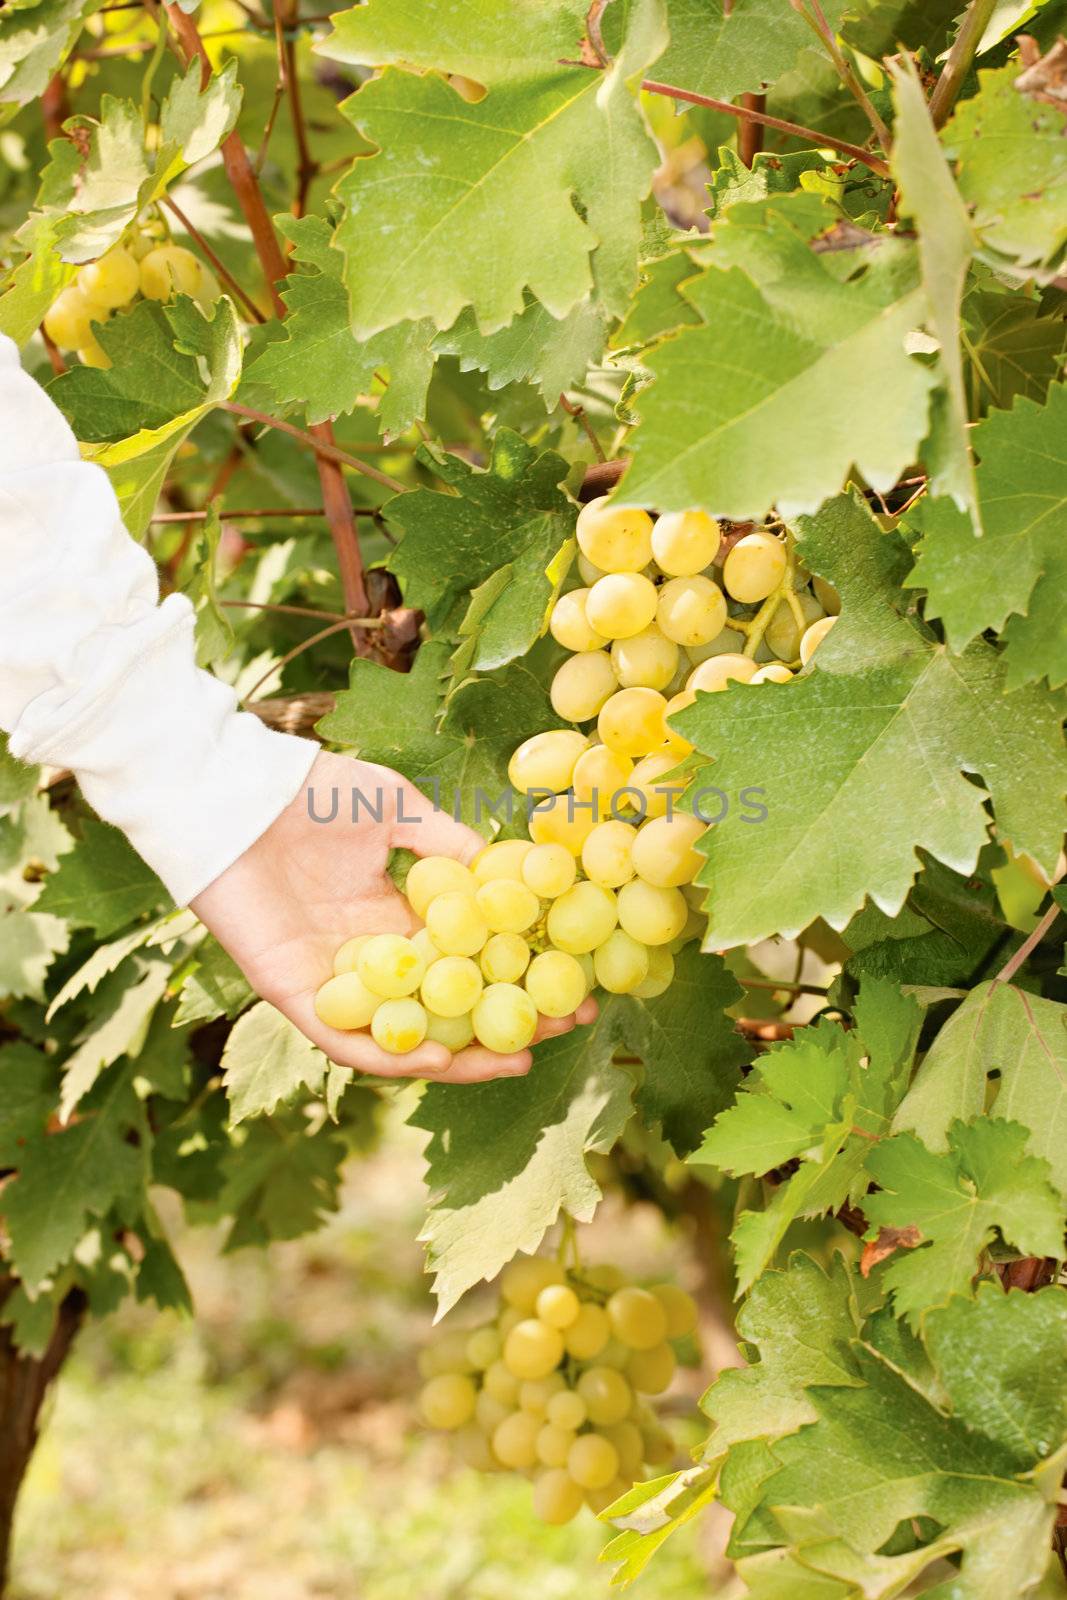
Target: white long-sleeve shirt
pixel 98 676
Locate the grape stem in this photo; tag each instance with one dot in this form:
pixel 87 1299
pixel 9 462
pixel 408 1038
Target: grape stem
pixel 568 1243
pixel 757 626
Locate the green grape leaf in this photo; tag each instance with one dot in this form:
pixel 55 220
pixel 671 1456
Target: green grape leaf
pixel 35 42
pixel 214 987
pixel 649 1513
pixel 281 1182
pixel 104 960
pixel 267 1060
pixel 118 1026
pixel 1000 1030
pixel 535 347
pixel 27 1097
pixel 786 339
pixel 509 611
pixel 659 306
pixel 506 170
pixel 725 51
pixel 318 365
pixel 17 781
pixel 733 183
pixel 214 630
pixel 1011 167
pixel 948 926
pixel 504 1158
pixel 881 698
pixel 879 27
pixel 102 883
pixel 975 584
pixel 160 1277
pixel 1012 350
pixel 29 944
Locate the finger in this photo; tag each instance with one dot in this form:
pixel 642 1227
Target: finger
pixel 587 1012
pixel 428 831
pixel 478 1065
pixel 359 1050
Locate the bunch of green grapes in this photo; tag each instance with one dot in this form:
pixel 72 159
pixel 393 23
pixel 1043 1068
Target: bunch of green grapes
pixel 557 1386
pixel 140 266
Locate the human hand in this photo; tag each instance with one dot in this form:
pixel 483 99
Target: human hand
pixel 285 906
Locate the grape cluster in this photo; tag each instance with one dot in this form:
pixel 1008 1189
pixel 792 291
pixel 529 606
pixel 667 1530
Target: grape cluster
pixel 556 1386
pixel 140 266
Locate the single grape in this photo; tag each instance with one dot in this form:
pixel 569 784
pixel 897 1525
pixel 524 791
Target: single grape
pixel 579 689
pixel 500 1382
pixel 599 775
pixel 546 760
pixel 621 963
pixel 345 959
pixel 515 1440
pixel 523 1279
pixel 566 1410
pixel 548 870
pixel 607 1395
pixel 169 270
pixel 448 1353
pixel 588 1333
pixel 589 570
pixel 67 321
pixel 507 905
pixel 650 1371
pixel 631 721
pixel 649 776
pixel 599 1500
pixel 582 918
pixel 616 538
pixel 782 632
pixel 713 676
pixel 607 854
pixel 691 611
pixel 629 1445
pixel 532 1348
pixel 489 1412
pixel 730 641
pixel 505 1019
pixel 451 986
pixel 658 1446
pixel 399 1026
pixel 556 1497
pixel 592 1461
pixel 112 281
pixel 677 745
pixel 755 566
pixel 651 914
pixel 503 859
pixel 814 637
pixel 390 965
pixel 455 924
pixel 426 947
pixel 555 983
pixel 448 1401
pixel 660 974
pixel 474 1449
pixel 455 1033
pixel 93 354
pixel 564 819
pixel 606 1275
pixel 345 1002
pixel 685 542
pixel 553 1444
pixel 435 875
pixel 505 957
pixel 621 605
pixel 558 1305
pixel 483 1347
pixel 774 673
pixel 663 850
pixel 570 625
pixel 614 1355
pixel 827 596
pixel 679 1308
pixel 647 660
pixel 637 1317
pixel 535 1393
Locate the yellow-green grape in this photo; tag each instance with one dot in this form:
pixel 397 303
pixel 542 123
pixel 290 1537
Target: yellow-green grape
pixel 755 566
pixel 474 1449
pixel 651 914
pixel 783 633
pixel 535 1393
pixel 448 1401
pixel 588 1333
pixel 346 957
pixel 435 875
pixel 553 1444
pixel 544 761
pixel 658 1447
pixel 448 1353
pixel 503 859
pixel 345 1002
pixel 505 956
pixel 685 542
pixel 660 974
pixel 607 1395
pixel 490 1412
pixel 483 1347
pixel 112 281
pixel 621 604
pixel 561 820
pixel 814 637
pixel 523 1279
pixel 556 1497
pixel 584 959
pixel 582 918
pixel 532 1348
pixel 647 660
pixel 390 965
pixel 500 1382
pixel 650 1371
pixel 614 1355
pixel 455 924
pixel 713 676
pixel 507 905
pixel 505 1020
pixel 599 774
pixel 558 1305
pixel 774 673
pixel 570 626
pixel 548 870
pixel 399 1026
pixel 615 538
pixel 607 854
pixel 621 963
pixel 663 850
pixel 592 1461
pixel 631 721
pixel 67 320
pixel 599 1500
pixel 426 947
pixel 555 983
pixel 679 1308
pixel 451 986
pixel 630 1445
pixel 729 641
pixel 93 354
pixel 606 1275
pixel 169 270
pixel 637 1318
pixel 827 596
pixel 589 570
pixel 566 1410
pixel 691 611
pixel 676 744
pixel 649 776
pixel 580 688
pixel 515 1440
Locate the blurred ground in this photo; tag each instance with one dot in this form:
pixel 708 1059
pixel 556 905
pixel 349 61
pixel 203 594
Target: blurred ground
pixel 269 1451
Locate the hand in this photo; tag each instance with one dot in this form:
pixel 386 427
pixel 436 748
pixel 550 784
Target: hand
pixel 305 887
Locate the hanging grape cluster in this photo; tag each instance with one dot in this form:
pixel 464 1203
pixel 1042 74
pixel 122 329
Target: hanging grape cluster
pixel 557 1386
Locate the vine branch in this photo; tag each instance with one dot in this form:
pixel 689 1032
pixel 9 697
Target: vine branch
pixel 312 439
pixel 816 20
pixel 960 58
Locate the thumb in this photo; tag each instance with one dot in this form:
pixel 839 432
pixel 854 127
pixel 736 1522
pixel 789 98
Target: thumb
pixel 420 826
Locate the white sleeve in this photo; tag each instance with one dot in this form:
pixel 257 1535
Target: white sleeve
pixel 97 676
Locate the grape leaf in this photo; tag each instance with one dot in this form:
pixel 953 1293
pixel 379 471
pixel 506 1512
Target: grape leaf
pixel 998 1029
pixel 17 780
pixel 535 347
pixel 504 1158
pixel 658 307
pixel 214 987
pixel 266 1061
pixel 733 183
pixel 724 51
pixel 30 287
pixel 973 585
pixel 281 1182
pixel 649 1513
pixel 786 343
pixel 1013 349
pixel 947 928
pixel 27 1097
pixel 317 364
pixel 104 960
pixel 34 43
pixel 29 944
pixel 882 697
pixel 506 170
pixel 118 1026
pixel 879 27
pixel 102 883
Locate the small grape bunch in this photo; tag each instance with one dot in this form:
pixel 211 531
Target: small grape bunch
pixel 557 1386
